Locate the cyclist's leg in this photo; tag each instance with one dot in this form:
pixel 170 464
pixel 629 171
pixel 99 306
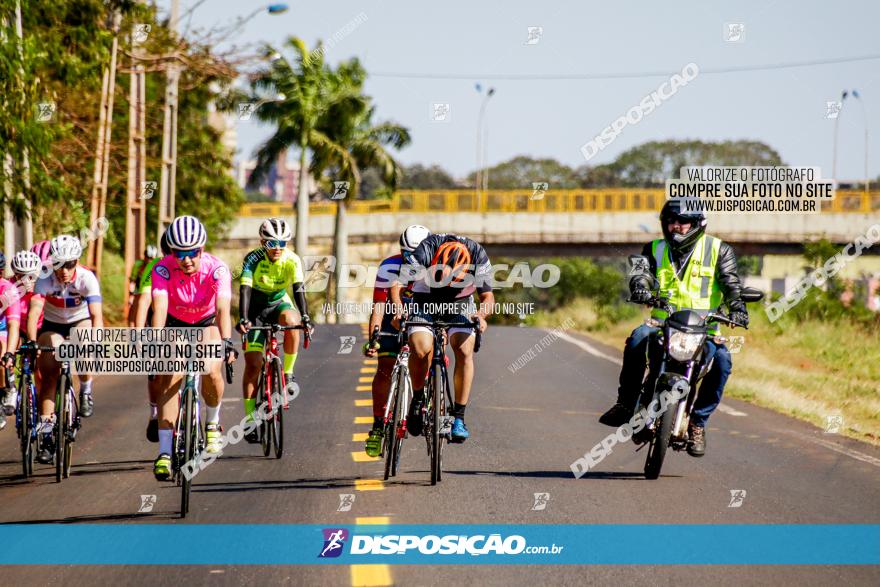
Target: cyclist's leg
pixel 421 343
pixel 49 370
pixel 380 391
pixel 285 316
pixel 462 342
pixel 212 393
pixel 168 406
pixel 85 381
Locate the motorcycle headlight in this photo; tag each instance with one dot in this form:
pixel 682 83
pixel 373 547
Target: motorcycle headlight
pixel 683 346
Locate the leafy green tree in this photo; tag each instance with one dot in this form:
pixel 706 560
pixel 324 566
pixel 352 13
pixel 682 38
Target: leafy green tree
pixel 419 177
pixel 520 172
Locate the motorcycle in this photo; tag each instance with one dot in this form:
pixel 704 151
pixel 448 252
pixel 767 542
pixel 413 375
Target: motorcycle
pixel 682 364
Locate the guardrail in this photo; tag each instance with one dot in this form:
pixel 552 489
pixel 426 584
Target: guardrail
pixel 587 200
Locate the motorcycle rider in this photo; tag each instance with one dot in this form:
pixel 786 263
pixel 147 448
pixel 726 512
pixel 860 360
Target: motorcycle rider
pixel 695 271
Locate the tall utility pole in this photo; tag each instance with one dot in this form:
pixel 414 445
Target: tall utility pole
pixel 135 205
pixel 168 181
pixel 16 235
pixel 102 151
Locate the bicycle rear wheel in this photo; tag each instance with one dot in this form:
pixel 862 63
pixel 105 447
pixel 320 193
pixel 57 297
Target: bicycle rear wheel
pixel 190 443
pixel 70 420
pixel 437 419
pixel 277 420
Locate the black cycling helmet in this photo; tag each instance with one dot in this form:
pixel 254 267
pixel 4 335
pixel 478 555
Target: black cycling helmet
pixel 163 244
pixel 672 210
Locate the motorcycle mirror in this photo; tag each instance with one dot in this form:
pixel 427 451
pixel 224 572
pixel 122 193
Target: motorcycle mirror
pixel 750 294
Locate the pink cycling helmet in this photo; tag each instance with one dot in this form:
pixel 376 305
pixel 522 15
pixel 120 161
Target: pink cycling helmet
pixel 42 249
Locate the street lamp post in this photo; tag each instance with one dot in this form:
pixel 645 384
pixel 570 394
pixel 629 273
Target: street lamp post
pixel 482 148
pixel 855 94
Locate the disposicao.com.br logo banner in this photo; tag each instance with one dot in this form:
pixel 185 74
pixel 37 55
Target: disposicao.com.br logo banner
pixel 512 544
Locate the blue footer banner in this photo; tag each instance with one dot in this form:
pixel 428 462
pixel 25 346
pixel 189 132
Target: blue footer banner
pixel 269 544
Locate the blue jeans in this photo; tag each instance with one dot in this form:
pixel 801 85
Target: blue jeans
pixel 635 358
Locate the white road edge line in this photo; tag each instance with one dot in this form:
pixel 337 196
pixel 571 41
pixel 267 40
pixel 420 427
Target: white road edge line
pixel 597 353
pixel 859 456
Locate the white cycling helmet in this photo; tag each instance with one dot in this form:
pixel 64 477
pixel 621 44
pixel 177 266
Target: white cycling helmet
pixel 151 252
pixel 412 236
pixel 65 248
pixel 26 262
pixel 275 229
pixel 186 233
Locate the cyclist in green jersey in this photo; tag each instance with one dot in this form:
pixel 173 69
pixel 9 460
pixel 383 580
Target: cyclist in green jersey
pixel 266 275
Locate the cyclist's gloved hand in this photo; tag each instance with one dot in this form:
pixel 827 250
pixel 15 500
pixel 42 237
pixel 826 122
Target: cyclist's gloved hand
pixel 231 351
pixel 370 349
pixel 740 317
pixel 243 325
pixel 8 360
pixel 307 323
pixel 640 295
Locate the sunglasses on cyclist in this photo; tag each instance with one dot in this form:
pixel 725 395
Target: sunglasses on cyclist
pixel 191 254
pixel 276 244
pixel 68 265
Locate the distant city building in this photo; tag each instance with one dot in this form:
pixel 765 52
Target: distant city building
pixel 282 181
pixel 224 123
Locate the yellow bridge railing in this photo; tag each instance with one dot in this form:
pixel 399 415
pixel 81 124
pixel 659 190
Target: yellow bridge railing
pixel 584 200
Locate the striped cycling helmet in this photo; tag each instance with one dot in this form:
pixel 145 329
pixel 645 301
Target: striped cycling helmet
pixel 42 250
pixel 25 262
pixel 64 248
pixel 275 229
pixel 186 233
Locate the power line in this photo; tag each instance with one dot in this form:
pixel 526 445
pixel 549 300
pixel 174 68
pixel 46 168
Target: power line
pixel 633 75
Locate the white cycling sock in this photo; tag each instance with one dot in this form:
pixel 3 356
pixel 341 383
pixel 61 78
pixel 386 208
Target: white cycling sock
pixel 166 436
pixel 213 414
pixel 85 386
pixel 154 411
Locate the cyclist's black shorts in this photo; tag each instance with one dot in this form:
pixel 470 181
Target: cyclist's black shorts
pixel 418 312
pixel 172 322
pixel 58 328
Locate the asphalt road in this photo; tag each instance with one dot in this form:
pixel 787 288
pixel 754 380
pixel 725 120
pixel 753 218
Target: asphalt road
pixel 527 428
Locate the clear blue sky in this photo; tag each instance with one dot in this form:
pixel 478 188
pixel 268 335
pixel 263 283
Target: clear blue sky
pixel 553 118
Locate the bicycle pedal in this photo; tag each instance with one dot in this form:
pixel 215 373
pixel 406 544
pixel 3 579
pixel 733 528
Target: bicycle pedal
pixel 446 426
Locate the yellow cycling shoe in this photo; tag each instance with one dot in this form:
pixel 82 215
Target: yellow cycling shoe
pixel 162 467
pixel 213 435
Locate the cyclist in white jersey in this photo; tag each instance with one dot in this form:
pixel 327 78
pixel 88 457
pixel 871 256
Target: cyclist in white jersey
pixel 68 297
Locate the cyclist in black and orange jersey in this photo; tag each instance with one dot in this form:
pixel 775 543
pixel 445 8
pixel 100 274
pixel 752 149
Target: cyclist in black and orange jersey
pixel 446 269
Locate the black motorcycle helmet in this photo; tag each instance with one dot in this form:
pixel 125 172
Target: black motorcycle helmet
pixel 672 210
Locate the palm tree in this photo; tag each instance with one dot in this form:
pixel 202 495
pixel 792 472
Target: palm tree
pixel 350 126
pixel 296 98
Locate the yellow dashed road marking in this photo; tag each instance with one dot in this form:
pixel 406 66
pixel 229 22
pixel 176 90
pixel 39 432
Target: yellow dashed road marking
pixel 370 575
pixel 373 520
pixel 364 388
pixel 359 436
pixel 368 369
pixel 362 403
pixel 365 379
pixel 369 484
pixel 363 419
pixel 362 457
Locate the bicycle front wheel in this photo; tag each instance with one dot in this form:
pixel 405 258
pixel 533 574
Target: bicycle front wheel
pixel 190 443
pixel 61 400
pixel 264 427
pixel 69 430
pixel 25 430
pixel 389 441
pixel 437 421
pixel 277 419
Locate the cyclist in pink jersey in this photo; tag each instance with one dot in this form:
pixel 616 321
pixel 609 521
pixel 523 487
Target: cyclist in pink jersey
pixel 191 289
pixel 25 267
pixel 10 319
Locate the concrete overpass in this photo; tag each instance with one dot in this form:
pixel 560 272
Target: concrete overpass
pixel 561 222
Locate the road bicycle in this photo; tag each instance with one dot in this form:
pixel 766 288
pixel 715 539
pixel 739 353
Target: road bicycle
pixel 189 438
pixel 27 417
pixel 272 381
pixel 67 420
pixel 437 420
pixel 397 406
